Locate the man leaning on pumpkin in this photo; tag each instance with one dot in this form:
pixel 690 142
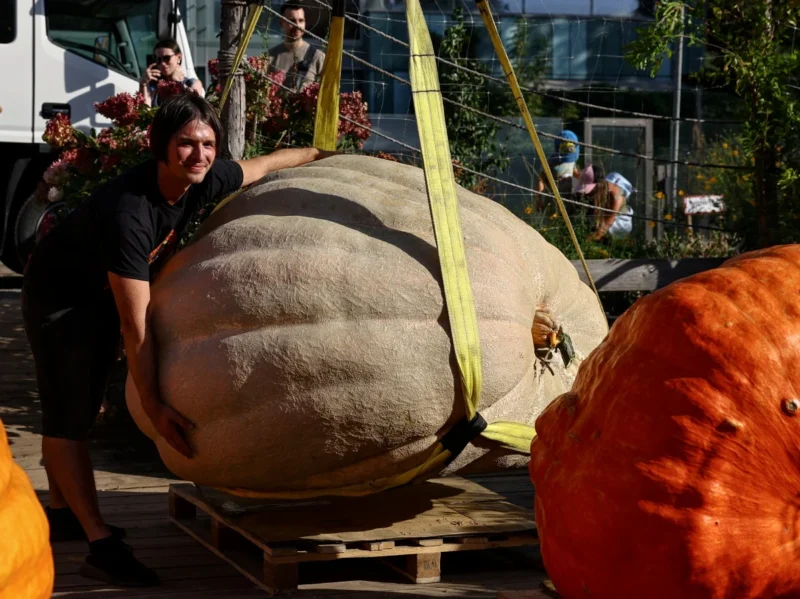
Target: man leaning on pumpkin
pixel 90 277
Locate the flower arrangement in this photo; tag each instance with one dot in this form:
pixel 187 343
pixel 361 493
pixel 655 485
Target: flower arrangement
pixel 278 116
pixel 87 160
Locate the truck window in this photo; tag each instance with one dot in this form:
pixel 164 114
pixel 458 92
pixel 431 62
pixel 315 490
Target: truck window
pixel 8 21
pixel 117 35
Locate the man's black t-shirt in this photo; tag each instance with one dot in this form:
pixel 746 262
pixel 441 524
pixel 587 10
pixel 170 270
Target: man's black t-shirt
pixel 122 228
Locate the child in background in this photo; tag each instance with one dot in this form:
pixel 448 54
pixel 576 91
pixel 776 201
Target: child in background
pixel 562 163
pixel 611 192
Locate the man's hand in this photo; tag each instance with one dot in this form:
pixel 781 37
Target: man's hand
pixel 327 154
pixel 170 425
pixel 132 297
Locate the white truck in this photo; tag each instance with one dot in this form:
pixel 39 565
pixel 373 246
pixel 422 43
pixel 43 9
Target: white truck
pixel 62 56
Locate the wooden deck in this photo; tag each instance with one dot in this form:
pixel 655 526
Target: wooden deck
pixel 133 489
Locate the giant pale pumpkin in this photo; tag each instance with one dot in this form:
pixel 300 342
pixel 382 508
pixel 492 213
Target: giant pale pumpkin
pixel 305 334
pixel 672 468
pixel 26 561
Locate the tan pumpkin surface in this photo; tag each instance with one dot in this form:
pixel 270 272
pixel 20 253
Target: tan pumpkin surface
pixel 304 332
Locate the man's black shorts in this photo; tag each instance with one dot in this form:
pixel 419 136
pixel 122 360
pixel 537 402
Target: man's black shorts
pixel 74 349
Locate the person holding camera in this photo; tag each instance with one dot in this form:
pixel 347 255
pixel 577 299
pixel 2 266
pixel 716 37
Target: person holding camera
pixel 166 65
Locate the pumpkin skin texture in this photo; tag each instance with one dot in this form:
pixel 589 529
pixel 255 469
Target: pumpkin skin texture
pixel 304 332
pixel 672 468
pixel 26 560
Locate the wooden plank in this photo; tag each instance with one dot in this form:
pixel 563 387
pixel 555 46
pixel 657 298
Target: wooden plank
pixel 423 568
pixel 167 573
pixel 643 275
pixel 280 578
pixel 243 561
pixel 437 508
pixel 275 568
pixel 377 545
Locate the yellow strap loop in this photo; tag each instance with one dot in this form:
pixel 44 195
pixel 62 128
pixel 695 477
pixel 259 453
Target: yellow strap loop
pixel 326 121
pixel 488 20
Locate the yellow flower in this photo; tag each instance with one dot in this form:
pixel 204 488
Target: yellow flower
pixel 778 164
pixel 746 177
pixel 699 176
pixel 554 216
pixel 667 217
pixel 735 153
pixel 713 180
pixel 659 195
pixel 528 210
pixel 725 146
pixel 777 148
pixel 680 192
pixel 651 224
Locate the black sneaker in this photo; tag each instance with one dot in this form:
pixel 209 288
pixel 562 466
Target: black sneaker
pixel 65 526
pixel 112 561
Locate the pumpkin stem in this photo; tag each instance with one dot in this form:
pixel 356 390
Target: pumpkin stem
pixel 549 337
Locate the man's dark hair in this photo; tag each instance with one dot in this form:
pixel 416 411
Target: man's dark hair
pixel 291 6
pixel 176 112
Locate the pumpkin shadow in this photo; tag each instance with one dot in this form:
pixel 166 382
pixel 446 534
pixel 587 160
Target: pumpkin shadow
pixel 278 521
pixel 19 399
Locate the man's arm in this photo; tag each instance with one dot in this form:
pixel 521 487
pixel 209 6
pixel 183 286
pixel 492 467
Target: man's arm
pixel 132 298
pixel 257 168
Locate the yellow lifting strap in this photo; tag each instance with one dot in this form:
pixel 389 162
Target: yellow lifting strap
pixel 326 121
pixel 437 162
pixel 488 20
pixel 250 27
pixel 252 21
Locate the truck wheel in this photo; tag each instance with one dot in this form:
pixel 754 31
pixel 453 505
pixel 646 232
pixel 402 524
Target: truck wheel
pixel 35 219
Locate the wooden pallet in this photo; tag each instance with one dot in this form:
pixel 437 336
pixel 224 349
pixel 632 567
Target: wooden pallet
pixel 415 524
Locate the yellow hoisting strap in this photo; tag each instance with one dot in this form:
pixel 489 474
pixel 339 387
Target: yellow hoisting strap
pixel 326 121
pixel 488 20
pixel 252 21
pixel 429 110
pixel 438 164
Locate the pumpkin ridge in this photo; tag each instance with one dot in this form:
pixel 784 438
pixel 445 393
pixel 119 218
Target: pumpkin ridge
pixel 465 201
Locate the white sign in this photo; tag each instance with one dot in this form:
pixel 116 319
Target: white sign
pixel 707 204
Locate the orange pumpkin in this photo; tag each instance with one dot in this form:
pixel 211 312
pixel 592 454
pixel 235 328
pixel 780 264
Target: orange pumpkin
pixel 26 560
pixel 672 468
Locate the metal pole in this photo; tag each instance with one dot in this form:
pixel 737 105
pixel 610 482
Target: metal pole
pixel 676 114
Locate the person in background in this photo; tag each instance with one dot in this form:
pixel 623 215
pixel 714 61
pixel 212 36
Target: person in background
pixel 562 162
pixel 168 66
pixel 301 61
pixel 610 192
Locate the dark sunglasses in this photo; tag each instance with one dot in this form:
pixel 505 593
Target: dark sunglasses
pixel 164 58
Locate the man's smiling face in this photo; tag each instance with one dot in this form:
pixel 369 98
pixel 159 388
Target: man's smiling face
pixel 191 152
